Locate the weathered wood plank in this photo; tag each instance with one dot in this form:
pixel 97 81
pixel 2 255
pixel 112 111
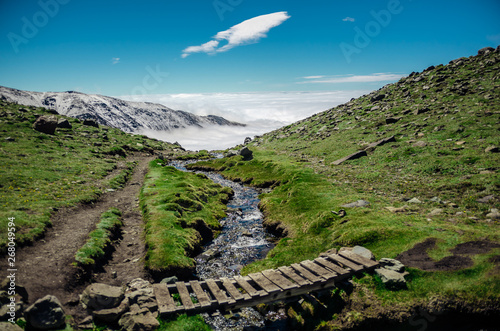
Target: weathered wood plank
pixel 290 273
pixel 359 259
pixel 278 279
pixel 330 265
pixel 265 283
pixel 247 287
pixel 166 303
pixel 307 274
pixel 220 296
pixel 231 289
pixel 184 294
pixel 339 259
pixel 203 298
pixel 318 269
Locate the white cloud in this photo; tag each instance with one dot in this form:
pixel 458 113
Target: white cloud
pixel 247 32
pixel 115 60
pixel 348 19
pixel 313 77
pixel 376 77
pixel 262 112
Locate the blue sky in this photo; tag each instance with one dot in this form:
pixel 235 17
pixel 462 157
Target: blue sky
pixel 152 47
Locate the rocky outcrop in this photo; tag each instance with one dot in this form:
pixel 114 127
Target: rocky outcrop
pixel 392 274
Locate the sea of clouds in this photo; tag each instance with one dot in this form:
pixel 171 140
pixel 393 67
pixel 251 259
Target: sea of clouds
pixel 261 112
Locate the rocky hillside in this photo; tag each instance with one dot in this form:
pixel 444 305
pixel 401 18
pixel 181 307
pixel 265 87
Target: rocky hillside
pixel 131 117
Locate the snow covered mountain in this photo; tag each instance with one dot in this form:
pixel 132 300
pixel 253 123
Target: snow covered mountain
pixel 132 117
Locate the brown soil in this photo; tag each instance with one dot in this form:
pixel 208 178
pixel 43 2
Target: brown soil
pixel 418 256
pixel 46 267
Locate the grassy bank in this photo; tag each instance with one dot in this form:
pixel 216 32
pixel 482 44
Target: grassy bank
pixel 40 173
pixel 100 239
pixel 181 211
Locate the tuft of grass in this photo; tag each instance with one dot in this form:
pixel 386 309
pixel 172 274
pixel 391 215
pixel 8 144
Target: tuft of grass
pixel 122 178
pixel 99 239
pixel 184 323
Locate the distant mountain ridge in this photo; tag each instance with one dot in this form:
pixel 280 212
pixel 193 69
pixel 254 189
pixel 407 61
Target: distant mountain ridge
pixel 129 116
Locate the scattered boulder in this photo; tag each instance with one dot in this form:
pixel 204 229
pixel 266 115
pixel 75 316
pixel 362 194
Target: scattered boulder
pixel 492 149
pixel 493 214
pixel 396 209
pixel 364 252
pixel 90 122
pixel 246 153
pixel 353 156
pixel 420 143
pixel 486 199
pixel 372 146
pixel 377 97
pixel 391 279
pixel 359 203
pixel 392 264
pixel 46 124
pixel 436 211
pixel 102 296
pixel 247 140
pixel 414 200
pixel 392 120
pixel 45 314
pixel 64 124
pixel 421 111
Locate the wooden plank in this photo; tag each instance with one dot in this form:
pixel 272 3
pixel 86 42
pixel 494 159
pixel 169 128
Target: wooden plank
pixel 339 259
pixel 307 274
pixel 247 287
pixel 203 298
pixel 318 269
pixel 278 279
pixel 290 273
pixel 220 296
pixel 330 265
pixel 184 294
pixel 265 283
pixel 359 259
pixel 165 301
pixel 231 289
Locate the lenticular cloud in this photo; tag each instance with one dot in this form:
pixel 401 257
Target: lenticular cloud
pixel 247 32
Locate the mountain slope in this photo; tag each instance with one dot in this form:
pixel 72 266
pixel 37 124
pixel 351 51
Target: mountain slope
pixel 132 117
pixel 425 187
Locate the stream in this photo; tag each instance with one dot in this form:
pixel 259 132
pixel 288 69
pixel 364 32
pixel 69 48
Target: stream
pixel 242 241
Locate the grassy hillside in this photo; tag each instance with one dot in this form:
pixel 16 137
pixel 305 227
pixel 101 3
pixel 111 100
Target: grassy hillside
pixel 40 173
pixel 438 175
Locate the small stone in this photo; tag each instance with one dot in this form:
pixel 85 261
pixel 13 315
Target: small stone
pixel 494 214
pixel 452 205
pixel 492 149
pixel 8 326
pixel 414 200
pixel 396 210
pixel 436 199
pixel 486 199
pixel 359 203
pixel 436 211
pixel 420 143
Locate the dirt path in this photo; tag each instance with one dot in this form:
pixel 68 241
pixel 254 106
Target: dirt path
pixel 46 267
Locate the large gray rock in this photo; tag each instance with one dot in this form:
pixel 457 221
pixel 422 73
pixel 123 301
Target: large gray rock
pixel 359 203
pixel 45 314
pixel 391 279
pixel 46 124
pixel 64 124
pixel 353 156
pixel 102 296
pixel 364 252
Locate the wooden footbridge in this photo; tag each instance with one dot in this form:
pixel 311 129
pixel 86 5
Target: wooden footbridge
pixel 270 285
